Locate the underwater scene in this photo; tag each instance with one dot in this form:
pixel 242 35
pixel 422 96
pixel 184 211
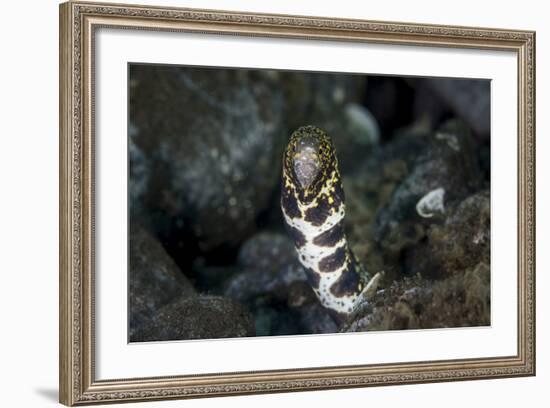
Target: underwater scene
pixel 268 202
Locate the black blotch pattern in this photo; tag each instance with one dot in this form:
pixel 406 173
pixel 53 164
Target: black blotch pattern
pixel 347 283
pixel 318 215
pixel 289 203
pixel 331 236
pixel 313 278
pixel 333 261
pixel 297 236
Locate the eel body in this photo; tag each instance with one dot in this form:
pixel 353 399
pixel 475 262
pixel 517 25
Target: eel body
pixel 313 206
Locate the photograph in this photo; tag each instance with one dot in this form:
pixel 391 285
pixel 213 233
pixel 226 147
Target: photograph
pixel 268 202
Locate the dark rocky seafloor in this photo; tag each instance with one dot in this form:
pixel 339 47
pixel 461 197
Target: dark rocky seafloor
pixel 208 253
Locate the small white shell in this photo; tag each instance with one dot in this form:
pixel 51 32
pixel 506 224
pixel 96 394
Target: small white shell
pixel 450 138
pixel 431 203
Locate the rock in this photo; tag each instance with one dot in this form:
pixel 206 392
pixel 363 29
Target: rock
pixel 213 141
pixel 369 192
pixel 302 314
pixel 362 197
pixel 203 317
pixel 418 169
pixel 470 100
pixel 165 306
pixel 318 95
pixel 445 162
pixel 273 282
pixel 138 179
pixel 274 320
pixel 154 279
pixel 467 99
pixel 363 126
pixel 355 133
pixel 462 241
pixel 314 319
pixel 462 300
pixel 269 265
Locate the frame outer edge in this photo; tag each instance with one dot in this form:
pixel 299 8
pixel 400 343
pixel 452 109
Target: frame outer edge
pixel 77 385
pixel 66 361
pixel 526 204
pixel 534 203
pixel 532 239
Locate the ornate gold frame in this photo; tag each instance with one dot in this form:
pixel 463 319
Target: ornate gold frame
pixel 78 22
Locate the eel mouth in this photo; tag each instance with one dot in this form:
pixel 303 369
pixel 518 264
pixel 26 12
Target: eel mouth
pixel 306 161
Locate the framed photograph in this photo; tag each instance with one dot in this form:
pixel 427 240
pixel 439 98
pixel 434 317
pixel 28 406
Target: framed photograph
pixel 256 203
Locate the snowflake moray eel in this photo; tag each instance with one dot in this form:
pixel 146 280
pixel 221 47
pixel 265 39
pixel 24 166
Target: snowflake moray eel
pixel 312 201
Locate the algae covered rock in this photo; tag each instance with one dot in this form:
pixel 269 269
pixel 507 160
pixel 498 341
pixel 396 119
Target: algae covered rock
pixel 154 279
pixel 201 317
pixel 462 300
pixel 461 241
pixel 446 162
pixel 164 304
pixel 212 141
